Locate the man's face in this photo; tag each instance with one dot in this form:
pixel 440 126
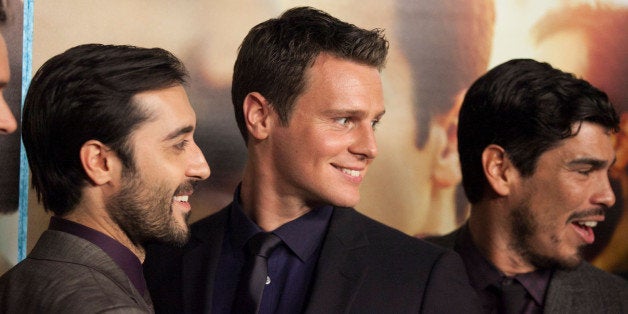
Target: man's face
pixel 7 121
pixel 152 202
pixel 321 157
pixel 565 197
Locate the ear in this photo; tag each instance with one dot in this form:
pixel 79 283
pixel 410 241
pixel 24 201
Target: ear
pixel 499 171
pixel 446 170
pixel 257 114
pixel 446 166
pixel 98 162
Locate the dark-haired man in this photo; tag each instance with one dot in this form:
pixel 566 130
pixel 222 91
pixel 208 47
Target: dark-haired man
pixel 535 149
pixel 307 96
pixel 108 132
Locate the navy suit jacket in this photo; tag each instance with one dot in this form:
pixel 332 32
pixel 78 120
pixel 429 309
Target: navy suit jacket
pixel 364 267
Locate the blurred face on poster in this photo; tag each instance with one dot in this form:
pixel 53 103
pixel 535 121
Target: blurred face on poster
pixel 7 121
pixel 439 57
pixel 10 95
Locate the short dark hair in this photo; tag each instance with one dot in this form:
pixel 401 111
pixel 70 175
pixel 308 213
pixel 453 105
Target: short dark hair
pixel 275 55
pixel 82 94
pixel 526 107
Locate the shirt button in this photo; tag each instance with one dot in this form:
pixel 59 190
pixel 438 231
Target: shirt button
pixel 267 280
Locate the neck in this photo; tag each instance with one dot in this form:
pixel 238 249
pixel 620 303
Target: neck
pixel 267 205
pixel 100 221
pixel 491 234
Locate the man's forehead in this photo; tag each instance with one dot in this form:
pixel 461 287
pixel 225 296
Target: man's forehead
pixel 591 142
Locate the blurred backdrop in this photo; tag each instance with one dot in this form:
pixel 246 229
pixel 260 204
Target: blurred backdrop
pixel 437 49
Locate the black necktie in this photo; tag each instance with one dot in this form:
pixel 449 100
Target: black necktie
pixel 513 296
pixel 253 278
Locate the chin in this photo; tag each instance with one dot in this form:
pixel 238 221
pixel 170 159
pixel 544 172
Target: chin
pixel 566 262
pixel 345 203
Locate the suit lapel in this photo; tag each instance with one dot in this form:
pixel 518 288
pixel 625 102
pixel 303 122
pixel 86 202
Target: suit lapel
pixel 563 293
pixel 580 290
pixel 67 248
pixel 341 268
pixel 200 262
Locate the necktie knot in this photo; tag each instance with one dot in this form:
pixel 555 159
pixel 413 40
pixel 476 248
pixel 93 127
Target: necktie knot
pixel 263 244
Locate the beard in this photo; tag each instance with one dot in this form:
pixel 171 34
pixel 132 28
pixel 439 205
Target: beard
pixel 144 211
pixel 524 227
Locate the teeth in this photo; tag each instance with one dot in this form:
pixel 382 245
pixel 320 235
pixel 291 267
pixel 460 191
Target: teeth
pixel 181 198
pixel 588 223
pixel 353 173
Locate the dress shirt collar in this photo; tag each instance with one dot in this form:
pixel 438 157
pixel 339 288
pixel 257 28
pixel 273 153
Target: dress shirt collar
pixel 302 235
pixel 120 254
pixel 484 274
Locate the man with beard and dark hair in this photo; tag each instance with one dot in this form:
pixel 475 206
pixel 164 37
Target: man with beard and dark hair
pixel 535 149
pixel 108 132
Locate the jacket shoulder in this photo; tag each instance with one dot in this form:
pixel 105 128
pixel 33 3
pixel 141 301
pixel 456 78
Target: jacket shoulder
pixel 447 240
pixel 63 287
pixel 386 238
pixel 587 289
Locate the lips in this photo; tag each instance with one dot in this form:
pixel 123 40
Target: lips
pixel 182 194
pixel 584 228
pixel 354 174
pixel 183 198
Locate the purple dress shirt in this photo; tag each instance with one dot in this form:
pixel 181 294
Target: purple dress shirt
pixel 485 277
pixel 290 266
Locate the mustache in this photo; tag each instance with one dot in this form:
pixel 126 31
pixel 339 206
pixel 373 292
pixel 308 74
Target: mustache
pixel 186 188
pixel 600 211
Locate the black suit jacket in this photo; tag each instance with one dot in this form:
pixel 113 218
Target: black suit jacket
pixel 364 267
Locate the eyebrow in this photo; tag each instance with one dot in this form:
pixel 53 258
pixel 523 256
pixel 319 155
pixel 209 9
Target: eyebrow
pixel 595 163
pixel 178 132
pixel 352 112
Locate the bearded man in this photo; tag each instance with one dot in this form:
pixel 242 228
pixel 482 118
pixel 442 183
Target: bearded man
pixel 108 132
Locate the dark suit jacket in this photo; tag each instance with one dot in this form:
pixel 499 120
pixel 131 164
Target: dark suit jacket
pixel 585 289
pixel 67 274
pixel 364 267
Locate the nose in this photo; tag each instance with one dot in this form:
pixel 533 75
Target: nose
pixel 8 124
pixel 365 143
pixel 197 166
pixel 605 194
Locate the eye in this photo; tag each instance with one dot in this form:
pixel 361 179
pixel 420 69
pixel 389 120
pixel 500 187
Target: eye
pixel 342 121
pixel 181 145
pixel 585 172
pixel 374 124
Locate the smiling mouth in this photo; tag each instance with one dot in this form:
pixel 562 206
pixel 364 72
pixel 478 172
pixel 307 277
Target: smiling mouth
pixel 591 224
pixel 584 228
pixel 182 198
pixel 353 173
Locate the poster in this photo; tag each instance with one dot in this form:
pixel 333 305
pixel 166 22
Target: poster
pixel 437 49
